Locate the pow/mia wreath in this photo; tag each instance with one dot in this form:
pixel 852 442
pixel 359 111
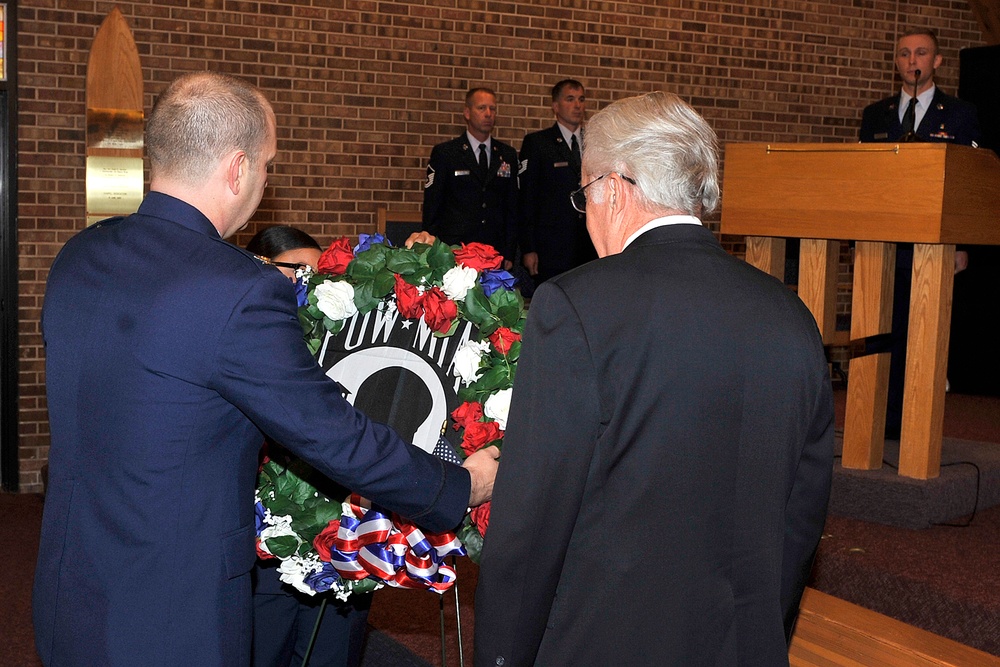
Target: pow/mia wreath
pixel 414 335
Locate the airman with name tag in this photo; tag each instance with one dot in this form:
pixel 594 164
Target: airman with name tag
pixel 554 235
pixel 470 194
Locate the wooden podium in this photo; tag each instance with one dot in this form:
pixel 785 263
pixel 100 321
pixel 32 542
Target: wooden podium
pixel 931 194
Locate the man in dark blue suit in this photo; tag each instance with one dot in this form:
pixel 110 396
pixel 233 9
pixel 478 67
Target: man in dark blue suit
pixel 934 117
pixel 169 353
pixel 470 194
pixel 553 234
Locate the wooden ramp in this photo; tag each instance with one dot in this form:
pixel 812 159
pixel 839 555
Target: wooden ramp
pixel 832 633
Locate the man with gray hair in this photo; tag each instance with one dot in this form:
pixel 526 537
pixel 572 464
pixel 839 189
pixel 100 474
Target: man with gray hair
pixel 667 463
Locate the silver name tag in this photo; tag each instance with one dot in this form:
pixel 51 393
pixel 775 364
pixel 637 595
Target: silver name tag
pixel 462 172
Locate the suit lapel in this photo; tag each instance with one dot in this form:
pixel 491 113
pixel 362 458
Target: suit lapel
pixel 892 117
pixel 561 147
pixel 494 161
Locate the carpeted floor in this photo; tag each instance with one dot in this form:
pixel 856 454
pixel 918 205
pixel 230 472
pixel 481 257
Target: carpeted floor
pixel 942 579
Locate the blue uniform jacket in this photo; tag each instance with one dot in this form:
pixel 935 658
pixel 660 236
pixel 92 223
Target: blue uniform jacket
pixel 550 225
pixel 461 206
pixel 948 119
pixel 169 351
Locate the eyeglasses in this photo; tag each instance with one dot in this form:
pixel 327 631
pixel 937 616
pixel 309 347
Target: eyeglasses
pixel 578 198
pixel 286 265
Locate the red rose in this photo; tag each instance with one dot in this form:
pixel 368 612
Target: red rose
pixel 439 310
pixel 479 434
pixel 481 517
pixel 478 256
pixel 467 413
pixel 409 300
pixel 502 339
pixel 323 542
pixel 335 259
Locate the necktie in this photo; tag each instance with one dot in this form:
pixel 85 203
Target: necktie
pixel 909 116
pixel 484 165
pixel 575 147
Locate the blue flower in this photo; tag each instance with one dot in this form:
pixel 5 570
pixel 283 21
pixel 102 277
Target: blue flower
pixel 259 513
pixel 323 580
pixel 301 292
pixel 365 242
pixel 494 280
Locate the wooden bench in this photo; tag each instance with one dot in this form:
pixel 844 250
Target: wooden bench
pixel 832 632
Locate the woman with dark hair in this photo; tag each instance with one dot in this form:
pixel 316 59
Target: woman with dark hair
pixel 284 619
pixel 286 247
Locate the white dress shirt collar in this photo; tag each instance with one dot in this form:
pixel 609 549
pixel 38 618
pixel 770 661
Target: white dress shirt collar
pixel 661 222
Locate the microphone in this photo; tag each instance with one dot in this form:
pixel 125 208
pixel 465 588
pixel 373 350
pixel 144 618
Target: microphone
pixel 910 121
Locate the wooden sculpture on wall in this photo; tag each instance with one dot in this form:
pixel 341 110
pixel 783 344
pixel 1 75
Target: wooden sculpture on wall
pixel 114 122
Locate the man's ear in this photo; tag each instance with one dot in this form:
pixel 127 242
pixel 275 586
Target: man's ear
pixel 235 169
pixel 937 61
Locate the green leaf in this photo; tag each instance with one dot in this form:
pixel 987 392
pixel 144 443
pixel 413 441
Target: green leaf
pixel 282 546
pixel 502 298
pixel 361 270
pixel 510 316
pixel 314 344
pixel 383 284
pixel 478 311
pixel 364 297
pixel 471 539
pixel 440 258
pixel 404 261
pixel 375 256
pixel 493 379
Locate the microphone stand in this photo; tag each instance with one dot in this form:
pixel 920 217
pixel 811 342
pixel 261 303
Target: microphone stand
pixel 911 135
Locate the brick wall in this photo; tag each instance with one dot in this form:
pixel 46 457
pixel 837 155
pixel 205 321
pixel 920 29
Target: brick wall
pixel 363 89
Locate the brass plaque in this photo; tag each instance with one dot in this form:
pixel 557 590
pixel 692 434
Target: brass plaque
pixel 114 186
pixel 114 128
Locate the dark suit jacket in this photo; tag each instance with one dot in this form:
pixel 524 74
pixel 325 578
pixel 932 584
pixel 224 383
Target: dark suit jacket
pixel 168 352
pixel 460 206
pixel 666 467
pixel 550 225
pixel 948 119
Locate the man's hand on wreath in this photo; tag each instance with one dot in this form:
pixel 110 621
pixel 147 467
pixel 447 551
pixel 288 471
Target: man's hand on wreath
pixel 482 467
pixel 420 237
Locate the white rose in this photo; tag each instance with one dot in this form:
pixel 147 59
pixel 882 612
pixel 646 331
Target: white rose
pixel 458 281
pixel 294 570
pixel 497 406
pixel 336 299
pixel 467 360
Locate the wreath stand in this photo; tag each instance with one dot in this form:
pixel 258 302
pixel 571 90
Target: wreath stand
pixel 444 643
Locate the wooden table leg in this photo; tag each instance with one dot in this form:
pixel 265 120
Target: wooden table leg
pixel 868 382
pixel 767 253
pixel 926 360
pixel 818 282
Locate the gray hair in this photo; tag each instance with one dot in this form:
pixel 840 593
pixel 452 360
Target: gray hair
pixel 200 118
pixel 664 145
